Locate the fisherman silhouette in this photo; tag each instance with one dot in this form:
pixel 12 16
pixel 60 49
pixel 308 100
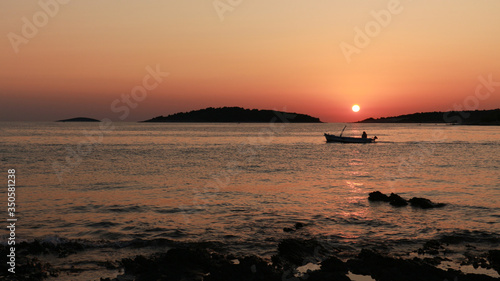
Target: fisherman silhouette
pixel 364 135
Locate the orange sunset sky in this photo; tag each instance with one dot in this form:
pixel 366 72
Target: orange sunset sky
pixel 62 59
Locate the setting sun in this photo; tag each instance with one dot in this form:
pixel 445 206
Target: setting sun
pixel 355 108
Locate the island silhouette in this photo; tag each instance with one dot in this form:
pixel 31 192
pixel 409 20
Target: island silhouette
pixel 477 117
pixel 79 119
pixel 236 114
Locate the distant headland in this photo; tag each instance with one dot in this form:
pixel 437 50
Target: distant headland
pixel 79 119
pixel 477 117
pixel 236 114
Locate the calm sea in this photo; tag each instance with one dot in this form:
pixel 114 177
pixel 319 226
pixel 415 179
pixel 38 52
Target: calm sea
pixel 120 189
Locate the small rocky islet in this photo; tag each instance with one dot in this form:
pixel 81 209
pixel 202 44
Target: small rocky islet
pixel 398 201
pixel 79 119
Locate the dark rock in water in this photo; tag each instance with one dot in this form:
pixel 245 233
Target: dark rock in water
pixel 332 268
pixel 299 225
pixel 324 275
pixel 357 266
pixel 26 269
pixel 334 264
pixel 432 244
pixel 60 249
pixel 494 259
pixel 176 263
pixel 384 268
pixel 378 196
pixel 475 260
pixel 430 247
pixel 197 264
pixel 435 261
pixel 249 268
pixel 393 199
pixel 425 203
pixel 35 247
pixel 295 251
pixel 396 200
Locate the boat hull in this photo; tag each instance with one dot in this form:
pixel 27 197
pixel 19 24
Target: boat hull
pixel 334 138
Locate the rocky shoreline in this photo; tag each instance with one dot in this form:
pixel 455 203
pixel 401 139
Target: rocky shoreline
pixel 201 264
pixel 200 261
pixel 298 256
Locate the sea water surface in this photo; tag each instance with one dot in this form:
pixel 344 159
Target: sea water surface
pixel 124 188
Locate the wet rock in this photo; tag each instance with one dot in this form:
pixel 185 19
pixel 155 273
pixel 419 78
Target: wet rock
pixel 475 260
pixel 34 247
pixel 299 225
pixel 176 264
pixel 378 196
pixel 432 244
pixel 357 266
pixel 393 199
pixel 494 259
pixel 295 251
pixel 435 261
pixel 249 268
pixel 324 275
pixel 334 264
pixel 27 269
pixel 61 249
pixel 397 201
pixel 197 264
pixel 425 203
pixel 430 247
pixel 384 268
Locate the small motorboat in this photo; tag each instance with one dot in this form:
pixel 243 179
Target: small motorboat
pixel 340 138
pixel 334 138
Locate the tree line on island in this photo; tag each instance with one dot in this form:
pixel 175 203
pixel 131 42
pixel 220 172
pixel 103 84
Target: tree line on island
pixel 477 117
pixel 242 115
pixel 236 114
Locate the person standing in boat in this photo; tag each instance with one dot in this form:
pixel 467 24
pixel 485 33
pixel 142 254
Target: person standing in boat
pixel 364 135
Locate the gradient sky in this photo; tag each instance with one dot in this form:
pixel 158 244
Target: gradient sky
pixel 262 54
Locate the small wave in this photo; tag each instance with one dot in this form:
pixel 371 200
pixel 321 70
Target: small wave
pixel 104 209
pixel 475 236
pixel 126 209
pixel 357 221
pixel 102 224
pixel 177 210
